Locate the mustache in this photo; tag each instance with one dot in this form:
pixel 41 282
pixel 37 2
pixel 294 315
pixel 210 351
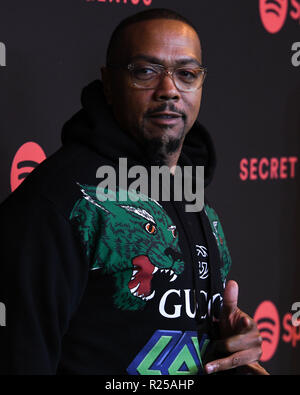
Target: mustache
pixel 165 107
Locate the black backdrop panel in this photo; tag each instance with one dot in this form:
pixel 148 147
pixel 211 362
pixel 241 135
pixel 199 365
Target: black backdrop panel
pixel 251 100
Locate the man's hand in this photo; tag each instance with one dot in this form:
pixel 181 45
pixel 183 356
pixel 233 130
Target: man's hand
pixel 240 338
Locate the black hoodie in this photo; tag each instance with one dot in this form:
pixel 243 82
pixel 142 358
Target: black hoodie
pixel 107 287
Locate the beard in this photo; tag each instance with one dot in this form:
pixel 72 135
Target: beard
pixel 159 148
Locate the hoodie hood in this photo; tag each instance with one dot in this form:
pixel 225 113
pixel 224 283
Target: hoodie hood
pixel 95 120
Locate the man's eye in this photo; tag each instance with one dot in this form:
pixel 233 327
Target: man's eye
pixel 144 73
pixel 187 75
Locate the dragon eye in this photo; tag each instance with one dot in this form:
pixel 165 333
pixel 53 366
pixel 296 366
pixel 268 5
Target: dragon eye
pixel 172 228
pixel 150 228
pixel 174 233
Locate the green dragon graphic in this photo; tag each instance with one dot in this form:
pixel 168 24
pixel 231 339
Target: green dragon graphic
pixel 131 240
pixel 220 239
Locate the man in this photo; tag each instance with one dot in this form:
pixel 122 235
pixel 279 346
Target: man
pixel 95 286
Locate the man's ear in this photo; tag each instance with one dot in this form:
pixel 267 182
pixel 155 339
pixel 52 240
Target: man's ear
pixel 105 75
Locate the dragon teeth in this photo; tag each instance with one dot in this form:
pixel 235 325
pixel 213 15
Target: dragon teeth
pixel 150 296
pixel 134 274
pixel 173 278
pixel 133 290
pixel 171 272
pixel 143 297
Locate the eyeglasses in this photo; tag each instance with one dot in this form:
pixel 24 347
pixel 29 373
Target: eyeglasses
pixel 148 75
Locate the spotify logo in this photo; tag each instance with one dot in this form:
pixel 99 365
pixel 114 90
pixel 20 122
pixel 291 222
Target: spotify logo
pixel 28 156
pixel 268 323
pixel 273 14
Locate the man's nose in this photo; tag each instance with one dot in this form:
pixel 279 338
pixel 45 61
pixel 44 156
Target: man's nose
pixel 166 90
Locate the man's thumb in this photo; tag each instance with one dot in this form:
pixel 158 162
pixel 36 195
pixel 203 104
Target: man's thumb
pixel 230 297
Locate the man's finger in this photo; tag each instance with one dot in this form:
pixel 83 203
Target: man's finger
pixel 245 324
pixel 237 359
pixel 238 343
pixel 230 297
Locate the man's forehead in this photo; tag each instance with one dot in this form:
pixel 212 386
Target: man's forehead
pixel 161 38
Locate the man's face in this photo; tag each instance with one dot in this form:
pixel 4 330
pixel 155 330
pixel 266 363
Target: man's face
pixel 146 113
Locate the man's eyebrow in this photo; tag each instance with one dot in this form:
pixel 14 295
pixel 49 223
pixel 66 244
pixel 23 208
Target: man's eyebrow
pixel 179 62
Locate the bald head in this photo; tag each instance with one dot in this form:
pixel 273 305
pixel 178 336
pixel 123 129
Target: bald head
pixel 116 42
pixel 154 41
